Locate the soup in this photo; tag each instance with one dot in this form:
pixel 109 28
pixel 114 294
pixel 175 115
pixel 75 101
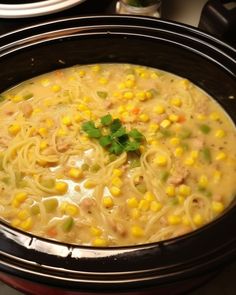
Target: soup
pixel 113 155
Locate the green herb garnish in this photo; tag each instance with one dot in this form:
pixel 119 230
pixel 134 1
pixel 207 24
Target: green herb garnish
pixel 102 94
pixel 206 155
pixel 113 136
pixel 205 128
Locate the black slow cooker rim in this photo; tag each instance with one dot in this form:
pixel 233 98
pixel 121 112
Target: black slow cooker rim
pixel 10 263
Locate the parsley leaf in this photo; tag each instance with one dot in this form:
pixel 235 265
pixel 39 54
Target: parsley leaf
pixel 106 120
pixel 90 128
pixel 105 140
pixel 115 125
pixel 116 148
pixel 135 134
pixel 119 133
pixel 132 146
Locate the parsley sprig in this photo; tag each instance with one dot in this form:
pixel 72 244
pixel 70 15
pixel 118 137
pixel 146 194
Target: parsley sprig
pixel 113 136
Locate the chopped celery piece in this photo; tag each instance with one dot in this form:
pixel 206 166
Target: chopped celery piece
pixel 141 187
pixel 50 205
pixel 67 224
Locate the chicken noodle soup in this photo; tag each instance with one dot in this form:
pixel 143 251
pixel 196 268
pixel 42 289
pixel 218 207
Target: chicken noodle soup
pixel 113 154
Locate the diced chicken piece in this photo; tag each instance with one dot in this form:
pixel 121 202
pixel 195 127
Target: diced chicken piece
pixel 26 109
pixel 63 144
pixel 202 107
pixel 198 143
pixel 87 204
pixel 179 174
pixel 108 104
pixel 9 110
pixel 117 227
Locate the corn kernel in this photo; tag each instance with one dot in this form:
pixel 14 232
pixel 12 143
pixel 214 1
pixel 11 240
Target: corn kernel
pixel 99 242
pixel 185 220
pixel 137 231
pixel 42 163
pixel 216 176
pixel 176 101
pixel 122 86
pixel 153 127
pixel 117 172
pixel 173 118
pixel 61 132
pixel 144 205
pixel 149 196
pixel 178 152
pixel 141 95
pixel 56 88
pixel 132 202
pixel 96 68
pixel 81 73
pixel 43 145
pixel 135 213
pixel 220 133
pixel 174 219
pixel 26 224
pixel 189 161
pixel 103 81
pixel 148 94
pixel 75 173
pixel 144 118
pixel 159 109
pixel 220 156
pixel 155 206
pixel 198 219
pixel 20 197
pixel 217 207
pixel 214 116
pixel 36 111
pixel 130 83
pixel 108 202
pixel 184 83
pixel 165 123
pixel 45 82
pixel 128 95
pixel 116 181
pixel 15 222
pixel 174 141
pixel 89 184
pixel 95 231
pixel 23 214
pixel 66 120
pixel 154 142
pixel 42 131
pixel 184 190
pixel 61 187
pixel 203 181
pixel 194 154
pixel 14 129
pixel 154 75
pixel 201 117
pixel 17 98
pixel 180 199
pixel 115 191
pixel 82 107
pixel 161 160
pixel 170 190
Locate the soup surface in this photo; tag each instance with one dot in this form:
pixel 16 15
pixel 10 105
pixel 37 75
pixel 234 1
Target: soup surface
pixel 113 154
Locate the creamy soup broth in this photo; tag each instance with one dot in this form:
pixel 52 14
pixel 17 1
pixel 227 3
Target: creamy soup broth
pixel 113 154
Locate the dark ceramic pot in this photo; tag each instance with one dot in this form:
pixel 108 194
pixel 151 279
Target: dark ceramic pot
pixel 38 266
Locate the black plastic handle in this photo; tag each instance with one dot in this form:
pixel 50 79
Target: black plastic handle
pixel 219 18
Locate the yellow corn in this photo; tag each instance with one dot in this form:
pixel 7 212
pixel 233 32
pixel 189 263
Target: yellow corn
pixel 45 82
pixel 66 120
pixel 116 181
pixel 117 172
pixel 198 219
pixel 56 88
pixel 78 118
pixel 17 98
pixel 96 68
pixel 165 123
pixel 148 94
pixel 154 75
pixel 189 161
pixel 144 205
pixel 217 207
pixel 184 83
pixel 174 141
pixel 141 95
pixel 81 73
pixel 144 118
pixel 43 145
pixel 161 160
pixel 14 129
pixel 173 118
pixel 184 190
pixel 115 191
pixel 201 117
pixel 99 242
pixel 103 81
pixel 203 181
pixel 180 199
pixel 61 132
pixel 185 220
pixel 159 109
pixel 61 187
pixel 149 196
pixel 15 222
pixel 26 224
pixel 23 214
pixel 170 190
pixel 153 127
pixel 178 152
pixel 95 231
pixel 128 95
pixel 214 116
pixel 135 213
pixel 130 83
pixel 108 202
pixel 18 199
pixel 194 154
pixel 216 176
pixel 82 107
pixel 220 133
pixel 221 156
pixel 75 173
pixel 43 131
pixel 89 184
pixel 174 219
pixel 155 206
pixel 71 210
pixel 132 202
pixel 137 231
pixel 176 101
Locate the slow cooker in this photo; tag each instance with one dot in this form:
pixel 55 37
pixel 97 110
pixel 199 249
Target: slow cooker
pixel 35 265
